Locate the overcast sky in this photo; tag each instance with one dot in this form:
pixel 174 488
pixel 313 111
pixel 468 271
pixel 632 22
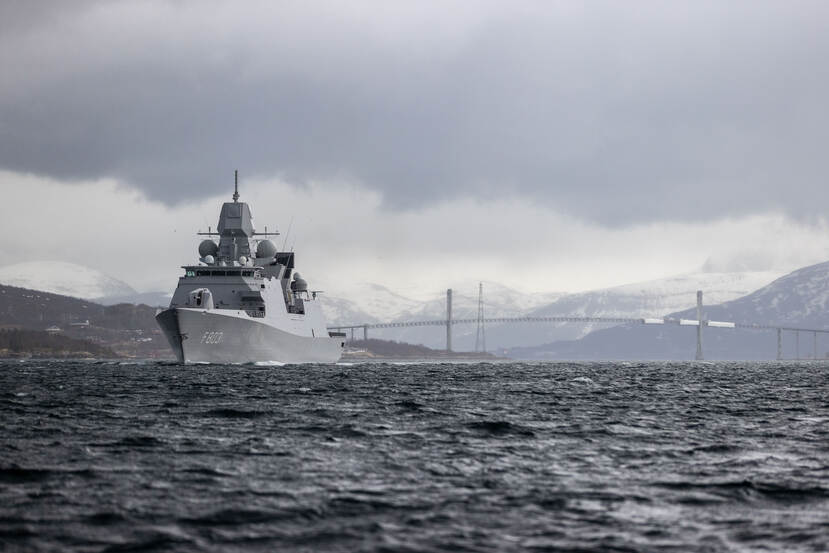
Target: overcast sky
pixel 552 146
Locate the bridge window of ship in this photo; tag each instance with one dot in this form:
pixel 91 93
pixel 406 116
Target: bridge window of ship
pixel 190 273
pixel 202 273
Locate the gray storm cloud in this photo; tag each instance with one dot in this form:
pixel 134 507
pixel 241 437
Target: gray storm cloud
pixel 617 113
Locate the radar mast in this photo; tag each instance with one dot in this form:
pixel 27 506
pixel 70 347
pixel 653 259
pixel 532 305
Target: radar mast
pixel 236 186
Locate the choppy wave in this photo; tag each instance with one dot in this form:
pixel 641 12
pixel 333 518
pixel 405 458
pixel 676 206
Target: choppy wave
pixel 414 457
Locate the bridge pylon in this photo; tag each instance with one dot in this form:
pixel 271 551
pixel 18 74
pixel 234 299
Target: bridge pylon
pixel 779 344
pixel 699 356
pixel 480 335
pixel 449 319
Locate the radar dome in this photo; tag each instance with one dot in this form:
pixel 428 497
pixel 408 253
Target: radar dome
pixel 208 247
pixel 266 248
pixel 299 284
pixel 209 259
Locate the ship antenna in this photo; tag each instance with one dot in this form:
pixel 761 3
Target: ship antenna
pixel 287 234
pixel 236 189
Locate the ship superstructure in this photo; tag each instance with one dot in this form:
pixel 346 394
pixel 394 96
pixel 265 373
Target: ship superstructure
pixel 244 302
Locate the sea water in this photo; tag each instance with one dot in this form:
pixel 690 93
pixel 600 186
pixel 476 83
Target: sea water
pixel 109 456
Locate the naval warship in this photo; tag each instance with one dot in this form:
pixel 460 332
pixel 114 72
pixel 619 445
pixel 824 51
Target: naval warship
pixel 244 302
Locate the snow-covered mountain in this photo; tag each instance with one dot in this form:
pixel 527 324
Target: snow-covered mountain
pixel 78 281
pixel 654 298
pixel 499 301
pixel 366 303
pixel 153 299
pixel 375 303
pixel 370 302
pixel 798 299
pixel 68 279
pixel 643 299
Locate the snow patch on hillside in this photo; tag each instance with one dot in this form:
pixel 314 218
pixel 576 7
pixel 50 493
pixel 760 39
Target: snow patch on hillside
pixel 800 297
pixel 366 302
pixel 654 298
pixel 369 302
pixel 68 279
pixel 796 300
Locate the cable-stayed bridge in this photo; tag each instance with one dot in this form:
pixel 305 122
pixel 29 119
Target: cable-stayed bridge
pixel 700 322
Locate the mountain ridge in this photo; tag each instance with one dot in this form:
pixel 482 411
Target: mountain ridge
pixel 64 278
pixel 797 299
pixel 652 298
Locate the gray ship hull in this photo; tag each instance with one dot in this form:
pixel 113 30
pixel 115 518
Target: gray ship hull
pixel 200 336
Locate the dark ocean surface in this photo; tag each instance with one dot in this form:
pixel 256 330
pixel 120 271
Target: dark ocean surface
pixel 414 457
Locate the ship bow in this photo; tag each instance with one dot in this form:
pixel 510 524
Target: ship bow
pixel 168 321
